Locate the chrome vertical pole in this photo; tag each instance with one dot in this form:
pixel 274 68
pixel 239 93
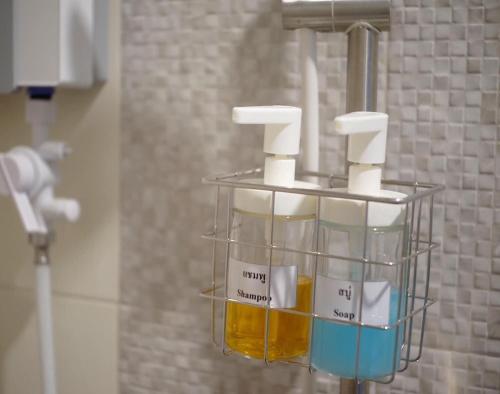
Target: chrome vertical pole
pixel 348 386
pixel 362 70
pixel 362 21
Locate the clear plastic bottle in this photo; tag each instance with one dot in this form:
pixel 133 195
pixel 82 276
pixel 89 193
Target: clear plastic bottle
pixel 248 267
pixel 290 286
pixel 350 291
pixel 334 344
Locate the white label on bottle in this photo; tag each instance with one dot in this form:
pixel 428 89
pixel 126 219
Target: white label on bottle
pixel 248 283
pixel 339 299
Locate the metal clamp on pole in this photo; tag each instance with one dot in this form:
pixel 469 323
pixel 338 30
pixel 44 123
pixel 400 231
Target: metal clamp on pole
pixel 41 244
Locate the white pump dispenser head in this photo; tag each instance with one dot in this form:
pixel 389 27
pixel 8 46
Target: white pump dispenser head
pixel 281 138
pixel 367 133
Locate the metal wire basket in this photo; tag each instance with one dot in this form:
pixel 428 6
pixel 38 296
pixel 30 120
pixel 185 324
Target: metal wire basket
pixel 418 205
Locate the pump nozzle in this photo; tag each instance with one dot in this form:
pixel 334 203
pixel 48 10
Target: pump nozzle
pixel 281 138
pixel 367 133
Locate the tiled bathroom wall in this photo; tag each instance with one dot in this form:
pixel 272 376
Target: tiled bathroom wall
pixel 186 63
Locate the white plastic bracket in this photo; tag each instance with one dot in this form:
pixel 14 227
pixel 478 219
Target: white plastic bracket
pixel 29 179
pixel 29 219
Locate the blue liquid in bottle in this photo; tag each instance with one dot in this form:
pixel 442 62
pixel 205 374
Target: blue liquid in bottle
pixel 334 347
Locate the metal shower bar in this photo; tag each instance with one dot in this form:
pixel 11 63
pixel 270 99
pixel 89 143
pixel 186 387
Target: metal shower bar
pixel 334 15
pixel 362 21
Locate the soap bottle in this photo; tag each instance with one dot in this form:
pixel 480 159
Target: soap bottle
pixel 294 225
pixel 338 281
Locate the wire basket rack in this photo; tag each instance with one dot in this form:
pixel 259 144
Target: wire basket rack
pixel 413 266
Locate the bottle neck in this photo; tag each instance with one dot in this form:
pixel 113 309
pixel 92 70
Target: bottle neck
pixel 365 179
pixel 279 171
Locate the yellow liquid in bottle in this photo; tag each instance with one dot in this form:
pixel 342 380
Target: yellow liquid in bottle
pixel 288 333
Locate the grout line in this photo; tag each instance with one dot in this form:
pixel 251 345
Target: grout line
pixel 62 294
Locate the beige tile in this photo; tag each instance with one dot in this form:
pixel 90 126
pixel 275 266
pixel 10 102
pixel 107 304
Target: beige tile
pixel 85 257
pixel 86 345
pixel 19 367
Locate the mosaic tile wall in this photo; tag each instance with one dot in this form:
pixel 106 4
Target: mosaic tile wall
pixel 186 63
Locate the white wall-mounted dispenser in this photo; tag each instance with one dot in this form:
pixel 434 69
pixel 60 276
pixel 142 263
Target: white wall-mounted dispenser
pixel 45 45
pixel 52 43
pixel 339 282
pixel 293 228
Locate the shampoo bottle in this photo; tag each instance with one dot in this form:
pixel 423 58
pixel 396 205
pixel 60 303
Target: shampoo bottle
pixel 248 270
pixel 338 283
